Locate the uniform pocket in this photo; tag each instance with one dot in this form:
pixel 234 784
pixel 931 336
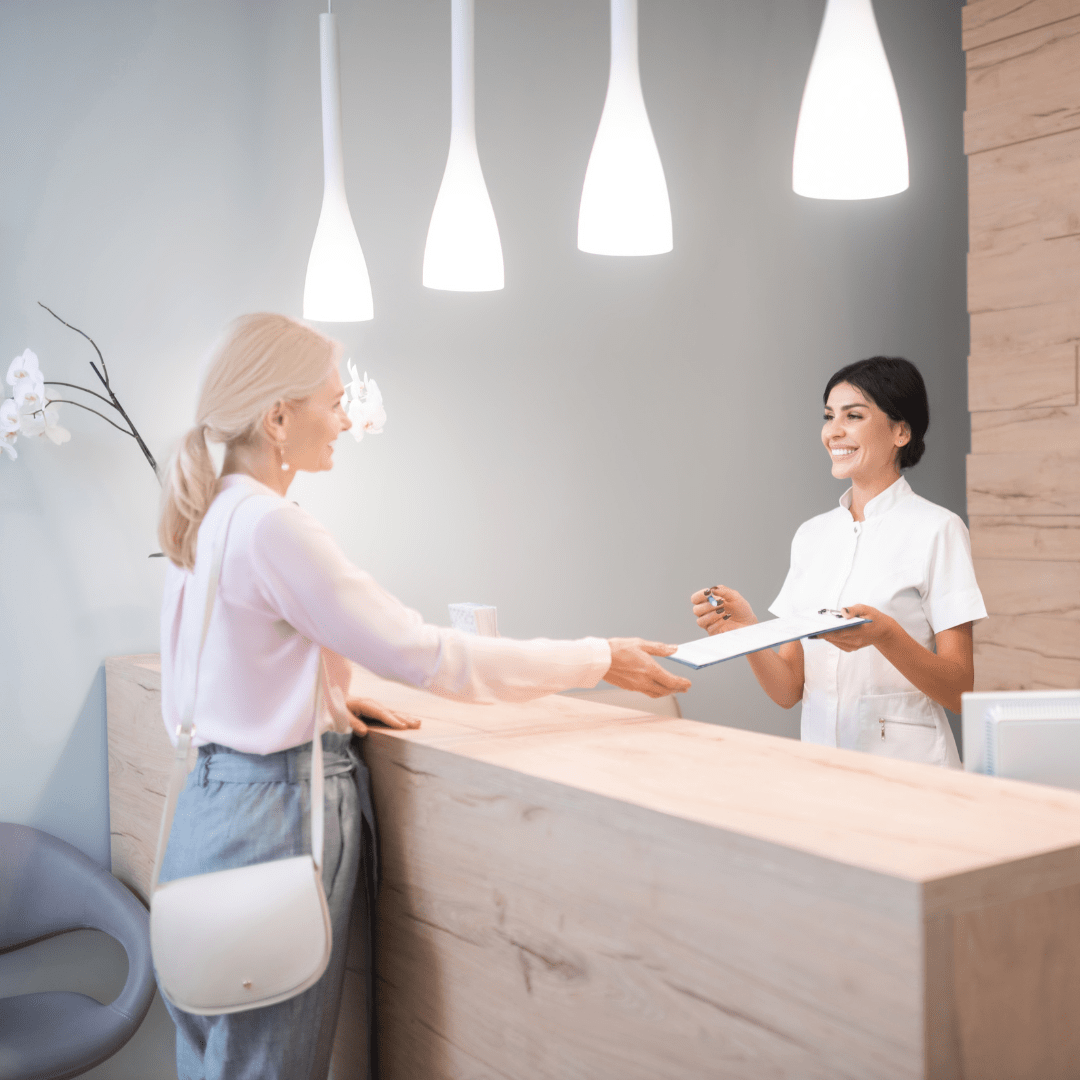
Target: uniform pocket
pixel 901 726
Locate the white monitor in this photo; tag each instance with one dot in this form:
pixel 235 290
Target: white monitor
pixel 1024 735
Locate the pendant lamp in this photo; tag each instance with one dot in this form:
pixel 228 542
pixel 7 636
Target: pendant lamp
pixel 850 140
pixel 463 252
pixel 624 202
pixel 337 288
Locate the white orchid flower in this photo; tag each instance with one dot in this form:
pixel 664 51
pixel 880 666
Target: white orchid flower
pixel 365 405
pixel 30 394
pixel 7 444
pixel 9 416
pixel 53 430
pixel 24 368
pixel 32 424
pixel 352 388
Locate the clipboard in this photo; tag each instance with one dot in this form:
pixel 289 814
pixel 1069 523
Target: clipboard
pixel 706 651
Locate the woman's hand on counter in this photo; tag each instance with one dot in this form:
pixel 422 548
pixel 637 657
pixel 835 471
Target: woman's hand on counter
pixel 731 611
pixel 633 668
pixel 374 710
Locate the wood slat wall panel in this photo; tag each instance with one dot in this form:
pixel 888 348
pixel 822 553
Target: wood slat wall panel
pixel 1024 192
pixel 998 668
pixel 1050 637
pixel 1014 587
pixel 992 20
pixel 1037 274
pixel 1022 136
pixel 1012 380
pixel 1020 328
pixel 1023 484
pixel 1038 538
pixel 1025 430
pixel 1023 87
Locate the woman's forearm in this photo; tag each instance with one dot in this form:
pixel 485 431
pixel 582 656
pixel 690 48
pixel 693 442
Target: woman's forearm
pixel 943 677
pixel 780 676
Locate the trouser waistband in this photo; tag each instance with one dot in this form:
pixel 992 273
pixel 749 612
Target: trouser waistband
pixel 222 764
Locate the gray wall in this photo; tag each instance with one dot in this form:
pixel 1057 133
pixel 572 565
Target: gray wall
pixel 583 449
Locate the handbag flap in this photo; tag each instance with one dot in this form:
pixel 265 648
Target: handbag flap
pixel 241 938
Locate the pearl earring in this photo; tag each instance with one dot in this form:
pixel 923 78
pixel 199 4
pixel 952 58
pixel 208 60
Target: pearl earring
pixel 284 463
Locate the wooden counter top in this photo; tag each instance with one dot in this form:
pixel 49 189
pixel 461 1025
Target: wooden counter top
pixel 576 890
pixel 906 820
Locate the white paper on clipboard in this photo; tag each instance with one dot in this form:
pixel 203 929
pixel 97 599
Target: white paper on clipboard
pixel 764 635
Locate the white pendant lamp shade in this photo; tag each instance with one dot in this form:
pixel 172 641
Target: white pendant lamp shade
pixel 337 288
pixel 624 202
pixel 463 252
pixel 850 140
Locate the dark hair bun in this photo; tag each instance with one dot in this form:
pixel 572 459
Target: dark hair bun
pixel 911 453
pixel 895 386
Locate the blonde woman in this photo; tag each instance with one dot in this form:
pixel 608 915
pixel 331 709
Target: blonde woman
pixel 287 600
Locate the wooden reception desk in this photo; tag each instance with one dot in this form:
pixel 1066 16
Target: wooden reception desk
pixel 572 890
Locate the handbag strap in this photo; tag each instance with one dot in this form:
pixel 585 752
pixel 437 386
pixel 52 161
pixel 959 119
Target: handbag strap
pixel 186 728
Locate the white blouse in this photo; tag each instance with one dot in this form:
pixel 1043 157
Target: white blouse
pixel 910 559
pixel 286 590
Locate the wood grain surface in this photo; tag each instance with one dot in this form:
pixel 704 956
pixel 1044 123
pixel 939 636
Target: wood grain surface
pixel 1021 327
pixel 986 21
pixel 1029 587
pixel 1023 483
pixel 1000 667
pixel 573 890
pixel 140 758
pixel 1026 430
pixel 1022 87
pixel 1021 380
pixel 1047 636
pixel 1038 538
pixel 1023 193
pixel 998 954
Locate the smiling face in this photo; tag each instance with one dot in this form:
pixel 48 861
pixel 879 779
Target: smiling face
pixel 305 430
pixel 861 440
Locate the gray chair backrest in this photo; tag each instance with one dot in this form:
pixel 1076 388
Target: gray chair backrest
pixel 48 887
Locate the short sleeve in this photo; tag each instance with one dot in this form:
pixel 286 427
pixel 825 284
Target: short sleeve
pixel 952 595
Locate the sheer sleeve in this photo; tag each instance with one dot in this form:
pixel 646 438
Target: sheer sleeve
pixel 305 577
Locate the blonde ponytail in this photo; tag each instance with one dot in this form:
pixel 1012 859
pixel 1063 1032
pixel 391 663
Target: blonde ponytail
pixel 261 360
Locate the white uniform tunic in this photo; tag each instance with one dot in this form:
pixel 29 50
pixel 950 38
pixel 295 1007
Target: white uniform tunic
pixel 910 559
pixel 287 589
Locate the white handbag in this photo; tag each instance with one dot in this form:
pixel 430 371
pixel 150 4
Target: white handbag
pixel 249 937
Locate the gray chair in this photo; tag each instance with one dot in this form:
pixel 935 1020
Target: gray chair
pixel 48 887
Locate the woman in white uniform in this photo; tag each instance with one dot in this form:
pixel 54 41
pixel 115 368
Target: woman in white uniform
pixel 886 554
pixel 288 603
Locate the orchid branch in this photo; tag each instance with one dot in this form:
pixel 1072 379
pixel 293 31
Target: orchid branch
pixel 113 400
pixel 88 338
pixel 79 405
pixel 85 390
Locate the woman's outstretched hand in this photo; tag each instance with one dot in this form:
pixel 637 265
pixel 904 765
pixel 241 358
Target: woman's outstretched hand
pixel 730 613
pixel 633 668
pixel 375 710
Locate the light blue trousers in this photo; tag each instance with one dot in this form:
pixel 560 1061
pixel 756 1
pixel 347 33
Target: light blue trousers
pixel 238 809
